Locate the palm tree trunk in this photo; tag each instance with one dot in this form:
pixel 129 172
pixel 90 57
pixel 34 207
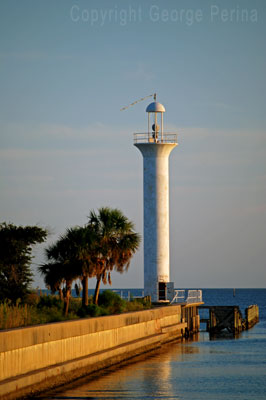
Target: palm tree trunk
pixel 61 294
pixel 85 289
pixel 67 298
pixel 66 304
pixel 97 290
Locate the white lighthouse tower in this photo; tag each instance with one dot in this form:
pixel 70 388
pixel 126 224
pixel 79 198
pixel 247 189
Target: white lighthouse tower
pixel 155 147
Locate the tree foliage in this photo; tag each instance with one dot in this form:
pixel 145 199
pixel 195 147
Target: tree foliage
pixel 63 266
pixel 117 242
pixel 73 256
pixel 106 243
pixel 15 258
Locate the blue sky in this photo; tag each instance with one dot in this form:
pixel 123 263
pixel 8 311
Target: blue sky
pixel 66 69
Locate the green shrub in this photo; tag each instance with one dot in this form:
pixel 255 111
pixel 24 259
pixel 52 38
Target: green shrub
pixel 139 304
pixel 134 306
pixel 50 314
pixel 92 310
pixel 74 305
pixel 50 302
pixel 112 302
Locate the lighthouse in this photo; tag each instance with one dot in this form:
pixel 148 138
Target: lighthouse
pixel 155 147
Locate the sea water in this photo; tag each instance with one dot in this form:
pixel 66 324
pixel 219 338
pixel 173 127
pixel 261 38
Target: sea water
pixel 224 368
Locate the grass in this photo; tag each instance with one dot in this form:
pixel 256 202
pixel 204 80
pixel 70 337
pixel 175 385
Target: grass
pixel 45 309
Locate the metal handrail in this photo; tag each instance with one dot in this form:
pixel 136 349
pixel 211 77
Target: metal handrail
pixel 179 296
pixel 149 138
pixel 193 296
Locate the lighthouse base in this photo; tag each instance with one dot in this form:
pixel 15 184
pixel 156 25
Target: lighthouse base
pixel 163 292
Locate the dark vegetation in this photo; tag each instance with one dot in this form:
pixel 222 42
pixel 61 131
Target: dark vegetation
pixel 15 258
pixel 41 309
pixel 105 244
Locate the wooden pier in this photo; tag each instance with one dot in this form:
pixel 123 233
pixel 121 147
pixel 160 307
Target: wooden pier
pixel 229 319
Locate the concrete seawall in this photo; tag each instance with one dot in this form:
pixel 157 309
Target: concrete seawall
pixel 40 357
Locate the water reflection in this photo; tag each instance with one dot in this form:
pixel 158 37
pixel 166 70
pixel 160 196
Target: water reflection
pixel 201 370
pixel 149 377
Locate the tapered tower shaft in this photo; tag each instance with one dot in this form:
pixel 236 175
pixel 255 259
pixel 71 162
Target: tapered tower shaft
pixel 156 216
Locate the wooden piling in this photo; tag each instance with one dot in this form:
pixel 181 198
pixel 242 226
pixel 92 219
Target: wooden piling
pixel 190 315
pixel 252 316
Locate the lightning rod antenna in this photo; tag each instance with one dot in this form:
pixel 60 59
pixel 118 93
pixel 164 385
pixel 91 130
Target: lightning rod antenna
pixel 137 101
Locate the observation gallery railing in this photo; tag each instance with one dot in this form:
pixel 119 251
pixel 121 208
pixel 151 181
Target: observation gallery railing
pixel 151 137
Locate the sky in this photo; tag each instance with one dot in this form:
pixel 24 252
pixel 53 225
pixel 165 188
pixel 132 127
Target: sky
pixel 66 70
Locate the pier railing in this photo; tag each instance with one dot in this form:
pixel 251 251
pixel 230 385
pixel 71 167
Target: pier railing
pixel 193 296
pixel 181 295
pixel 150 137
pixel 127 295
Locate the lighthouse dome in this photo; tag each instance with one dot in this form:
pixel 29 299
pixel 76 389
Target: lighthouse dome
pixel 155 107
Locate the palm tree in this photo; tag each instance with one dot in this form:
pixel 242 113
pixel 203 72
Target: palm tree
pixel 86 243
pixel 77 241
pixel 117 243
pixel 107 242
pixel 63 266
pixel 53 277
pixel 87 255
pixel 74 255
